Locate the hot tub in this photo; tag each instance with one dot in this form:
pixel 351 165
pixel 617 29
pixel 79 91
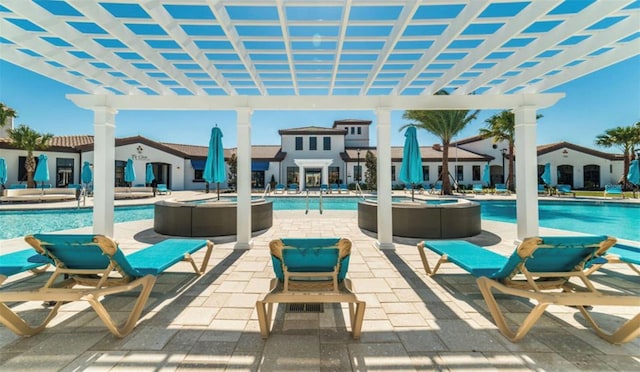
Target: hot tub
pixel 179 218
pixel 456 218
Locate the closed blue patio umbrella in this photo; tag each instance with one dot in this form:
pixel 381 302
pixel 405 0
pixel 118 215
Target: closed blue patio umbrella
pixel 633 176
pixel 486 175
pixel 129 173
pixel 214 169
pixel 3 172
pixel 87 173
pixel 411 167
pixel 42 170
pixel 149 176
pixel 87 177
pixel 546 175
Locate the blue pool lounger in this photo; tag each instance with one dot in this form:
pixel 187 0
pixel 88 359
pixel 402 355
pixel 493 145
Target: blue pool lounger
pixel 94 267
pixel 21 261
pixel 310 270
pixel 539 269
pixel 619 253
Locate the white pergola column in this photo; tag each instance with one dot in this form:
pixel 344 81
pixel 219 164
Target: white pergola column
pixel 385 222
pixel 526 172
pixel 301 182
pixel 324 175
pixel 104 156
pixel 243 184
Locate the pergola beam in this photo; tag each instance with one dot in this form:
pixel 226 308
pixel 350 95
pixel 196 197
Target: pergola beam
pixel 482 102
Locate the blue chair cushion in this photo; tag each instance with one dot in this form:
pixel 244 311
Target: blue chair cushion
pixel 310 255
pixel 157 258
pixel 19 261
pixel 475 259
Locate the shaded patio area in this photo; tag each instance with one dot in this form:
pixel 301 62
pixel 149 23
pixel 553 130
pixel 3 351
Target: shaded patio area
pixel 412 322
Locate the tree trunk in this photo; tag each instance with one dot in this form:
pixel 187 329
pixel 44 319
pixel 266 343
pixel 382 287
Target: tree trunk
pixel 512 187
pixel 446 185
pixel 627 164
pixel 30 167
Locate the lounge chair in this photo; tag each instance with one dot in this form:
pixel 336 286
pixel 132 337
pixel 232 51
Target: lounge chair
pixel 501 188
pixel 96 264
pixel 565 190
pixel 21 261
pixel 343 188
pixel 310 270
pixel 437 188
pixel 619 253
pixel 279 189
pixel 324 188
pixel 162 189
pixel 536 270
pixel 294 188
pixel 542 189
pixel 613 190
pixel 477 188
pixel 14 186
pixel 333 188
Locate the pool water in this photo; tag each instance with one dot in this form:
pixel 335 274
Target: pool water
pixel 616 219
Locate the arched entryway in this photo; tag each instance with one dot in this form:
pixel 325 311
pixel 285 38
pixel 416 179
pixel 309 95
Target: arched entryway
pixel 565 175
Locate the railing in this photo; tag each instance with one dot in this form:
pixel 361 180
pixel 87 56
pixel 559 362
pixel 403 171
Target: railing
pixel 307 209
pixel 267 190
pixel 320 202
pixel 359 191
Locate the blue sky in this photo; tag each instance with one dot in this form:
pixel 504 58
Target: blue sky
pixel 604 99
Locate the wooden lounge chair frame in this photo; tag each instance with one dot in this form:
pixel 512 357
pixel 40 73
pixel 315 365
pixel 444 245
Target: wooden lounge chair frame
pixel 619 253
pixel 111 276
pixel 546 287
pixel 310 287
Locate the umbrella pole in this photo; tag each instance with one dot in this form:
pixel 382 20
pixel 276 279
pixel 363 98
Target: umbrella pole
pixel 412 191
pixel 218 187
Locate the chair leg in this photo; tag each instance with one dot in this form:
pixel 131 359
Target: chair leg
pixel 147 283
pixel 485 285
pixel 627 332
pixel 19 326
pixel 264 318
pixel 423 257
pixel 357 319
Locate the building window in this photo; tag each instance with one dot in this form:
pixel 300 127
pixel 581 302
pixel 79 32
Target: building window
pixel 64 172
pixel 346 129
pixel 357 172
pixel 292 175
pixel 313 143
pixel 298 143
pixel 393 173
pixel 459 173
pixel 326 142
pixel 476 173
pixel 353 130
pixel 425 173
pixel 334 175
pixel 591 174
pixel 197 175
pixel 359 130
pixel 119 173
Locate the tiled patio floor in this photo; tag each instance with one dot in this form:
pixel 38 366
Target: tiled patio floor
pixel 412 322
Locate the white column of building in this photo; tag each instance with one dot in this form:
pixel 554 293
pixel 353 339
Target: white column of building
pixel 301 185
pixel 526 172
pixel 243 184
pixel 104 155
pixel 385 223
pixel 324 180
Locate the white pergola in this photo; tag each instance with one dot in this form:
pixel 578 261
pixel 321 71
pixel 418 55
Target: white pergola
pixel 380 55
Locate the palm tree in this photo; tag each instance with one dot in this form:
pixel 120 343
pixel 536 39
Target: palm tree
pixel 28 139
pixel 6 112
pixel 501 127
pixel 626 138
pixel 444 124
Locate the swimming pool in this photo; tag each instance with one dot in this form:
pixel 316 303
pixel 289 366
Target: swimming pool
pixel 615 219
